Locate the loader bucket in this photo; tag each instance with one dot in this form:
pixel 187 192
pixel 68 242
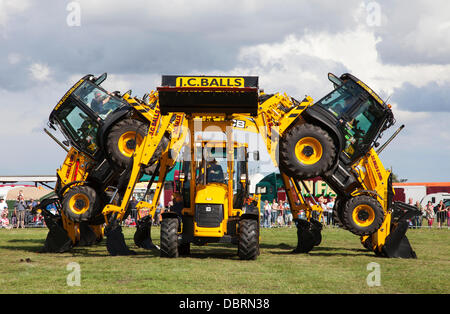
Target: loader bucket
pixel 142 236
pixel 308 235
pixel 115 241
pixel 57 240
pixel 397 244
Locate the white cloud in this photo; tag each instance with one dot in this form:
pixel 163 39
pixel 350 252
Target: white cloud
pixel 39 72
pixel 11 7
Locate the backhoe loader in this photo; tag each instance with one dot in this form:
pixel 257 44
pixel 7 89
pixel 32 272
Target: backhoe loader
pixel 102 129
pixel 333 138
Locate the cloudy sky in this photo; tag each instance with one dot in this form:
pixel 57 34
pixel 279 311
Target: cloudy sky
pixel 399 48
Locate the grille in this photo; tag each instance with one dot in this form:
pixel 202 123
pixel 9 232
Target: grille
pixel 208 215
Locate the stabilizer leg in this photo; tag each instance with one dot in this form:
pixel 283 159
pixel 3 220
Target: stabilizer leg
pixel 87 236
pixel 397 244
pixel 115 241
pixel 57 240
pixel 308 235
pixel 142 236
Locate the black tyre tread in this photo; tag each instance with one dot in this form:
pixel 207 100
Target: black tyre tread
pixel 131 125
pixel 248 248
pixel 169 237
pixel 94 203
pixel 289 161
pixel 350 205
pixel 114 134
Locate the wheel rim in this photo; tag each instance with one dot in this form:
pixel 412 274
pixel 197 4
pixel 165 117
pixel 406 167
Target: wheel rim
pixel 308 150
pixel 129 142
pixel 79 203
pixel 363 215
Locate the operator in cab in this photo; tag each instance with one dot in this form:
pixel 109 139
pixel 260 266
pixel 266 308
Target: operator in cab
pixel 99 101
pixel 214 172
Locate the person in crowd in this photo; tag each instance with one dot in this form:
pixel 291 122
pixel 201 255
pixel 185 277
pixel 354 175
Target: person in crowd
pixel 330 206
pixel 19 209
pixel 419 217
pixel 132 205
pixel 4 221
pixel 274 212
pixel 441 214
pixel 287 214
pixel 178 205
pixel 429 210
pixel 3 205
pixel 321 203
pixel 267 214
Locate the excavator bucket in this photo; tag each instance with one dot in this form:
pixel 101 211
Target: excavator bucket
pixel 57 240
pixel 142 236
pixel 115 241
pixel 396 243
pixel 308 235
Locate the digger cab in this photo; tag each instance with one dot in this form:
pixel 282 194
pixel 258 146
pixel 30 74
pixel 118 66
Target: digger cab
pixel 354 113
pixel 83 111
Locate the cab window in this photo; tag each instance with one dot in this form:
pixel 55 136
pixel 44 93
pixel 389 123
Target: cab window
pixel 97 99
pixel 81 128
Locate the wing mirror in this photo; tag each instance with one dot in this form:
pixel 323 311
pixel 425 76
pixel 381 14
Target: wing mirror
pixel 100 79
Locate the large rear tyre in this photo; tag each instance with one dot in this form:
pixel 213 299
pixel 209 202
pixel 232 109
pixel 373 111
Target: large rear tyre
pixel 169 237
pixel 123 139
pixel 248 248
pixel 81 203
pixel 307 151
pixel 362 215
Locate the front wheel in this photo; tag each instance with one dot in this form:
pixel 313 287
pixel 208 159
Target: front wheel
pixel 169 237
pixel 81 203
pixel 248 248
pixel 362 215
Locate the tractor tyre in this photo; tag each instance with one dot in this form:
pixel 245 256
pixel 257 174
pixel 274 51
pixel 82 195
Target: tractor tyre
pixel 307 151
pixel 125 137
pixel 362 215
pixel 248 248
pixel 81 203
pixel 169 237
pixel 337 212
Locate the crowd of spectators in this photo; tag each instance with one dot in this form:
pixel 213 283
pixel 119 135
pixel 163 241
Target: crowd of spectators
pixel 431 213
pixel 22 214
pixel 278 213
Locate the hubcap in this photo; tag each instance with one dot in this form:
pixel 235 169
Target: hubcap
pixel 363 215
pixel 129 142
pixel 79 203
pixel 308 150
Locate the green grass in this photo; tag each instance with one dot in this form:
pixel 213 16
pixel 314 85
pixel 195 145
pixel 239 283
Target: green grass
pixel 338 265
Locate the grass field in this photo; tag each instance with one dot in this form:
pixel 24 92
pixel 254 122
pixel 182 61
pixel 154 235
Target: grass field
pixel 338 265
